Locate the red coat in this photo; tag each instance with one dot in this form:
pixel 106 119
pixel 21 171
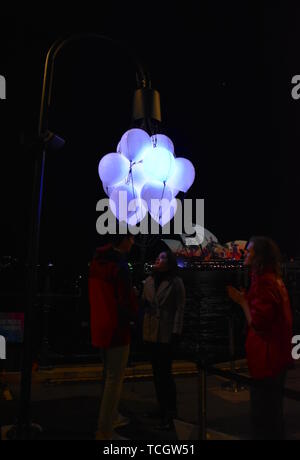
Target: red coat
pixel 268 344
pixel 113 304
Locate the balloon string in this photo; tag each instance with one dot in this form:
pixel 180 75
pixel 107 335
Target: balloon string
pixel 132 163
pixel 162 195
pixel 130 175
pixel 159 214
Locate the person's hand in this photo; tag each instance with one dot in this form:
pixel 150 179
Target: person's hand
pixel 236 295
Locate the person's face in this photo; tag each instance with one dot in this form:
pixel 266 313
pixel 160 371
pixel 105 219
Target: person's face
pixel 161 263
pixel 249 254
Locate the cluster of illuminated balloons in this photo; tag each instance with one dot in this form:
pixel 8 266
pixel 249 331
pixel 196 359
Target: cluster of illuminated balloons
pixel 144 176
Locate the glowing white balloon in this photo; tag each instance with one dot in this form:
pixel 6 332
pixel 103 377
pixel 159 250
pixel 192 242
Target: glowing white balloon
pixel 138 176
pixel 126 205
pixel 163 211
pixel 139 209
pixel 174 192
pixel 155 190
pixel 158 199
pixel 167 212
pixel 119 199
pixel 108 189
pixel 183 175
pixel 134 143
pixel 160 140
pixel 113 168
pixel 137 179
pixel 158 164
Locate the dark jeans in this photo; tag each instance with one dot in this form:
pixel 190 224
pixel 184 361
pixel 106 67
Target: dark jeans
pixel 161 356
pixel 266 400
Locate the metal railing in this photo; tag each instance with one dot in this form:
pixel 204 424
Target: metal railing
pixel 205 370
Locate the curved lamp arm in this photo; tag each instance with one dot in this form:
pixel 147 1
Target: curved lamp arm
pixel 142 77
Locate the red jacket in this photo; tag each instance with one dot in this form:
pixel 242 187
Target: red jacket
pixel 113 304
pixel 268 344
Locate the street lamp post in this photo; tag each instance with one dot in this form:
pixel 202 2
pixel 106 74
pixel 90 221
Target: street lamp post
pixel 146 107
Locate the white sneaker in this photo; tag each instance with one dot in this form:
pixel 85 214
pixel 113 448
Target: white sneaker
pixel 121 421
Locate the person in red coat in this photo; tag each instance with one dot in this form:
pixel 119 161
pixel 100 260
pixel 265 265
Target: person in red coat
pixel 268 345
pixel 113 307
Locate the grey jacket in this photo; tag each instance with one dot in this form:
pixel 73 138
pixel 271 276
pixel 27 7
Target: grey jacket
pixel 164 309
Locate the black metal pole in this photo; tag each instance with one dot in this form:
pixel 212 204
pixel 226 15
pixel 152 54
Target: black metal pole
pixel 24 426
pixel 46 308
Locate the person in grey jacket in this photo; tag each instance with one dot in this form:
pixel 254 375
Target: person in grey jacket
pixel 164 301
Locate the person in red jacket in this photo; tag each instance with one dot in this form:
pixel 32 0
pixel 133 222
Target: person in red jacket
pixel 268 345
pixel 113 306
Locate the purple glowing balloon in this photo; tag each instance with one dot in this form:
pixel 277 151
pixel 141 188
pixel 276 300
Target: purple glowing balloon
pixel 134 143
pixel 158 198
pixel 158 163
pixel 113 168
pixel 183 175
pixel 160 140
pixel 126 205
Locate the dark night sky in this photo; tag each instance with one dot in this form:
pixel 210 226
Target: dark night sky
pixel 224 75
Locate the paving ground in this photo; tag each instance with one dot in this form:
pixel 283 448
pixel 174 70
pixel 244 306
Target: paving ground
pixel 65 402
